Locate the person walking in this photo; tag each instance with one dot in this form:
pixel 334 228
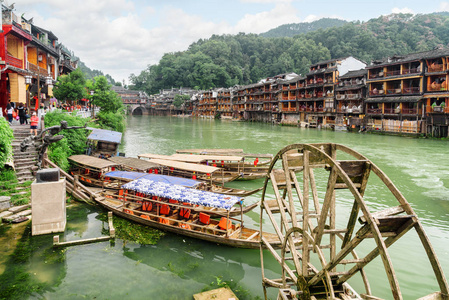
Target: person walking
pixel 22 113
pixel 33 122
pixel 9 111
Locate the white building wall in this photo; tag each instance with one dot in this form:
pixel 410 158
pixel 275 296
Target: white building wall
pixel 350 64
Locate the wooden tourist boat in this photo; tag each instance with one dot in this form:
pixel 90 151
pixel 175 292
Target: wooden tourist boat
pixel 262 159
pixel 170 209
pixel 231 166
pixel 201 172
pixel 230 163
pixel 90 170
pixel 170 180
pixel 116 179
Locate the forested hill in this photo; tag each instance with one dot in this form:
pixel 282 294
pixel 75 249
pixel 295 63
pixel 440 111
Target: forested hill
pixel 289 30
pixel 226 60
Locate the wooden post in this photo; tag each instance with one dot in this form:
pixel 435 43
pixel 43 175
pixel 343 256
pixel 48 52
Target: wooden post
pixel 305 216
pixel 75 182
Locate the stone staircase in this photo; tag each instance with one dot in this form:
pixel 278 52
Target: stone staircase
pixel 25 163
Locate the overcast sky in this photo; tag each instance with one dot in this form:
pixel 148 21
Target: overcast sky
pixel 120 37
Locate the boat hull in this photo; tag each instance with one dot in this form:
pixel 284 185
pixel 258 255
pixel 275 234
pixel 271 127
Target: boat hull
pixel 252 243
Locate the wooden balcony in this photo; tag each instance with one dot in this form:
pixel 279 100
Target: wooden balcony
pixel 289 109
pixel 392 111
pixel 13 61
pixel 374 111
pixel 409 111
pixel 410 71
pixel 353 96
pixel 376 93
pixel 435 68
pixel 392 73
pixel 438 109
pixel 376 75
pixel 435 87
pixel 411 90
pixel 393 91
pixel 37 70
pixel 341 97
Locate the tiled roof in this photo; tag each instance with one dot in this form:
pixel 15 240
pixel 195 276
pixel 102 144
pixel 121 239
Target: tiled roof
pixel 398 59
pixel 356 73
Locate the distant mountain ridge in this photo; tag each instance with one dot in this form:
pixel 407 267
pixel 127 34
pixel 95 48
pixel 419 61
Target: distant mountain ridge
pixel 290 30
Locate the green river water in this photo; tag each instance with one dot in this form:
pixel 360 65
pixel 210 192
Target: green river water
pixel 178 267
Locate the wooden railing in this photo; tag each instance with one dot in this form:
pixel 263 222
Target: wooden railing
pixel 37 70
pixel 411 90
pixel 73 186
pixel 409 111
pixel 13 61
pixel 392 73
pixel 435 68
pixel 353 96
pixel 410 71
pixel 376 111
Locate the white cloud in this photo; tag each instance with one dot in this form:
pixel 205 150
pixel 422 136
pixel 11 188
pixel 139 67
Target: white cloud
pixel 444 6
pixel 282 13
pixel 311 18
pixel 404 10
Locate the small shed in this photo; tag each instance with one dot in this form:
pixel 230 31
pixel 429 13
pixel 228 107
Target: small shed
pixel 103 143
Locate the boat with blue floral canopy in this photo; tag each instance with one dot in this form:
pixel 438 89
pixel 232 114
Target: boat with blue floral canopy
pixel 115 179
pixel 170 207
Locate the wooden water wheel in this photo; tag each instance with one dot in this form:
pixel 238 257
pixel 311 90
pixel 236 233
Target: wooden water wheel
pixel 305 219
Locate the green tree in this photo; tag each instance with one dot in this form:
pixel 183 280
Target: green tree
pixel 71 87
pixel 6 137
pixel 104 97
pixel 111 113
pixel 180 99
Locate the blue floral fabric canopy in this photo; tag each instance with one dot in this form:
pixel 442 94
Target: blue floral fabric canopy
pixel 181 193
pixel 154 177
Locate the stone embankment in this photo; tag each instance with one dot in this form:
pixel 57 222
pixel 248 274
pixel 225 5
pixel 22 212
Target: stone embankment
pixel 25 166
pixel 13 214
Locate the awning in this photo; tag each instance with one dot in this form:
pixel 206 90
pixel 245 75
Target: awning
pixel 211 151
pixel 185 166
pixel 192 158
pixel 154 177
pixel 105 136
pixel 93 162
pixel 409 99
pixel 181 193
pixel 133 163
pixel 204 157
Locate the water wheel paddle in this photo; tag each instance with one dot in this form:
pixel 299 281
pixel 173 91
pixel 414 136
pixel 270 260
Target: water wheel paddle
pixel 307 225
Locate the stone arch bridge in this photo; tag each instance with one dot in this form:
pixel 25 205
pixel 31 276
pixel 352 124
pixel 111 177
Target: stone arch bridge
pixel 137 109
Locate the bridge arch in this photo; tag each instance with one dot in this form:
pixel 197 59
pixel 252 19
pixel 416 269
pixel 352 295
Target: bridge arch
pixel 137 110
